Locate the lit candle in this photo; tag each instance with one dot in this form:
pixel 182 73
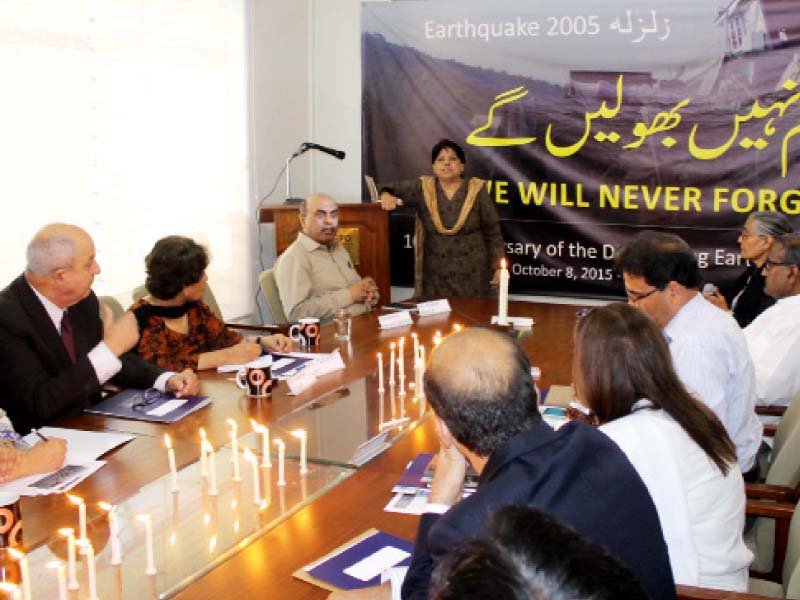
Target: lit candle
pixel 148 537
pixel 266 462
pixel 502 301
pixel 416 346
pixel 112 527
pixel 401 351
pixel 281 461
pixel 380 407
pixel 380 371
pixel 249 456
pixel 235 449
pixel 62 578
pixel 402 375
pixel 171 457
pixel 88 550
pixel 24 571
pixel 301 435
pixel 212 470
pixel 437 338
pixel 69 533
pixel 81 517
pixel 391 365
pixel 457 327
pixel 203 459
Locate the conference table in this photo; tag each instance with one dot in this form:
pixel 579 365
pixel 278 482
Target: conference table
pixel 337 502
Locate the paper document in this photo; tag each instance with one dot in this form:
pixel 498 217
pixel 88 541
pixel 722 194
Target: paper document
pixel 82 446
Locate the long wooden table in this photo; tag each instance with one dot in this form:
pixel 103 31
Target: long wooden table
pixel 264 568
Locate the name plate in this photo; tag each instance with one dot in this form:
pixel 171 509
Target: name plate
pixel 516 322
pixel 327 364
pixel 433 307
pixel 300 382
pixel 395 319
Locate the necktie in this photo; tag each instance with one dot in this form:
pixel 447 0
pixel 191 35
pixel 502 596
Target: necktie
pixel 67 336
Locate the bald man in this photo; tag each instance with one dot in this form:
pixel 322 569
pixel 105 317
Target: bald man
pixel 315 275
pixel 479 386
pixel 55 351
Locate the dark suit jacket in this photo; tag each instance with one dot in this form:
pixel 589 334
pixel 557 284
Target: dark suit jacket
pixel 38 382
pixel 576 474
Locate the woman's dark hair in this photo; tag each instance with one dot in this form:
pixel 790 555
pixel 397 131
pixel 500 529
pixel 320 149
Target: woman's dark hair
pixel 173 263
pixel 530 555
pixel 621 356
pixel 444 143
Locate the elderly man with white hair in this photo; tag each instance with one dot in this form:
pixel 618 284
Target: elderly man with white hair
pixel 55 351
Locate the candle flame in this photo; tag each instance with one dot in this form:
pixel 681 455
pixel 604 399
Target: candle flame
pixel 263 505
pixel 299 433
pixel 167 441
pixel 212 543
pixel 236 526
pixel 207 445
pixel 105 506
pixel 503 263
pixel 66 531
pixel 457 327
pixel 249 456
pixel 232 423
pixel 202 434
pixel 279 443
pixel 75 499
pixel 414 335
pixel 391 345
pixel 257 427
pixel 15 554
pixel 172 539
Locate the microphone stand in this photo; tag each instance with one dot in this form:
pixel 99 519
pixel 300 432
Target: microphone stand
pixel 289 199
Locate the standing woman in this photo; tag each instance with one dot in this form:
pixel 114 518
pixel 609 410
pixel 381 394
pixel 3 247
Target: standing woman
pixel 623 372
pixel 458 244
pixel 746 298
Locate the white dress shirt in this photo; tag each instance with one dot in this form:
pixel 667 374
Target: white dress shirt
pixel 773 339
pixel 710 356
pixel 104 363
pixel 701 510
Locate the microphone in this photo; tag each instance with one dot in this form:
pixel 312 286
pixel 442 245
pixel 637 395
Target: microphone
pixel 306 146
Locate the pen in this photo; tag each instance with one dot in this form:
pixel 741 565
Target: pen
pixel 39 435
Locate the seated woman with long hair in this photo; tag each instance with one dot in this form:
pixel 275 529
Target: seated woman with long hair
pixel 623 372
pixel 178 331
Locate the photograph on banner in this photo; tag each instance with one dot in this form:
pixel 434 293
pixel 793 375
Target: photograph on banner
pixel 590 121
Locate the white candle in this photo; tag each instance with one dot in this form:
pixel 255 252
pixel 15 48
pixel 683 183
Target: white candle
pixel 234 433
pixel 266 462
pixel 212 470
pixel 24 572
pixel 203 459
pixel 391 365
pixel 402 374
pixel 249 456
pixel 380 407
pixel 114 532
pixel 301 435
pixel 281 461
pixel 69 533
pixel 502 301
pixel 81 517
pixel 401 351
pixel 171 458
pixel 148 537
pixel 62 578
pixel 88 550
pixel 416 346
pixel 380 371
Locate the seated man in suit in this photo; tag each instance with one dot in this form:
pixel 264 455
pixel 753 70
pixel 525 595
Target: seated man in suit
pixel 479 386
pixel 773 338
pixel 315 275
pixel 55 351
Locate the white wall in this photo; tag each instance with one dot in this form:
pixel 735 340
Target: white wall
pixel 305 86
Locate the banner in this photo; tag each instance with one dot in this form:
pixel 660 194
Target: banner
pixel 590 121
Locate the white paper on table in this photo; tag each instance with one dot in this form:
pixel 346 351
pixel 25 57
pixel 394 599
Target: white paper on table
pixel 24 487
pixel 375 564
pixel 397 319
pixel 262 361
pixel 167 407
pixel 409 503
pixel 82 446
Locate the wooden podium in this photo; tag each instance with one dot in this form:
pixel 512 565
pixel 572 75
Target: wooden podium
pixel 365 226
